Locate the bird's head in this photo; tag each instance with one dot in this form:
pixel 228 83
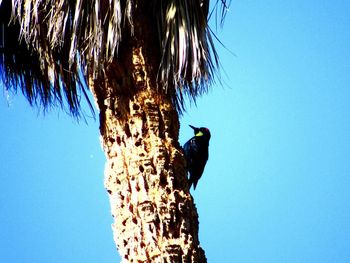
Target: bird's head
pixel 201 132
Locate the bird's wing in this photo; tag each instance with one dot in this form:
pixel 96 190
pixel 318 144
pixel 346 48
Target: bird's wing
pixel 190 149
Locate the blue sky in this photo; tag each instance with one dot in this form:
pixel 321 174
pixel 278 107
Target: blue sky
pixel 277 183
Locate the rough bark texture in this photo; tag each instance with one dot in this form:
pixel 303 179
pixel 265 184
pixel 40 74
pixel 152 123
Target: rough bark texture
pixel 155 219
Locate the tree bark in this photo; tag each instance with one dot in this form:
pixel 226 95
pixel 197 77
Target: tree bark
pixel 155 219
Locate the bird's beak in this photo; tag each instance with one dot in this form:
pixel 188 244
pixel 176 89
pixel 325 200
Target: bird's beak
pixel 197 132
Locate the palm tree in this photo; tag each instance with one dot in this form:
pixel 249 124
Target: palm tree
pixel 140 59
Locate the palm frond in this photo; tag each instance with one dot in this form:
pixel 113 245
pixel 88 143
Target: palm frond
pixel 51 46
pixel 34 65
pixel 189 59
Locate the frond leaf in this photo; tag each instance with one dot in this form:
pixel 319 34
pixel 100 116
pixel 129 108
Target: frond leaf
pixel 50 47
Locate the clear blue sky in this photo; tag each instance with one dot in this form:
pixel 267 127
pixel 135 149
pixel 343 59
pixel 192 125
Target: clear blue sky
pixel 277 184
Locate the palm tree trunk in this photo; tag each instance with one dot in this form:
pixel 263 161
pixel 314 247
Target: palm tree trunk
pixel 155 219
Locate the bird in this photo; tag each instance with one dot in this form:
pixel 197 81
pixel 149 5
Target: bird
pixel 196 152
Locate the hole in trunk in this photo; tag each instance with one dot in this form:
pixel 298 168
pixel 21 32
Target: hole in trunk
pixel 144 125
pixel 138 142
pixel 127 130
pixel 162 179
pixel 161 125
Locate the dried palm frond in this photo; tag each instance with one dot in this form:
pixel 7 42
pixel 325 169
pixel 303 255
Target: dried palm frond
pixel 189 59
pixel 52 45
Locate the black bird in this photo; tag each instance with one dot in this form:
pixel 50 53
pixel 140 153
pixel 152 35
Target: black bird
pixel 196 153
